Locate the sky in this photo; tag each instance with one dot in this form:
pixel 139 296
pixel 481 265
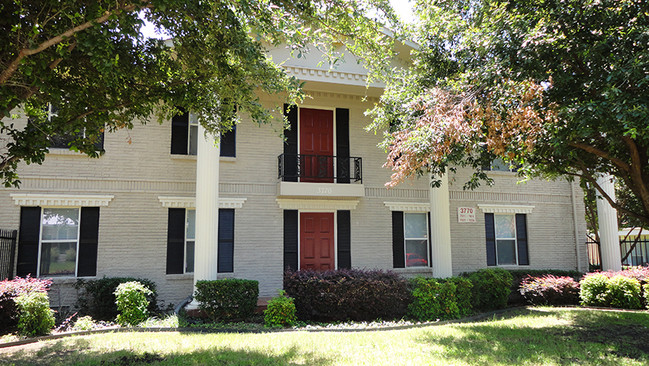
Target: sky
pixel 403 8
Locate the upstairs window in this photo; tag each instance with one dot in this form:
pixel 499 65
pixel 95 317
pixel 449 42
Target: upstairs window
pixel 184 136
pixel 500 165
pixel 62 141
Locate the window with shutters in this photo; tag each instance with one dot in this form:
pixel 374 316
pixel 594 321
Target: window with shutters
pixel 415 239
pixel 181 239
pixel 58 242
pixel 184 136
pixel 506 235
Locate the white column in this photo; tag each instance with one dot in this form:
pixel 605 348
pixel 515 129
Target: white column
pixel 440 229
pixel 207 207
pixel 608 231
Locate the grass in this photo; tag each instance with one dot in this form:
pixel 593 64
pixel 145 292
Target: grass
pixel 536 336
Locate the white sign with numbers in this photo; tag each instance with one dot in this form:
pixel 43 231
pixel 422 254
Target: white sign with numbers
pixel 465 214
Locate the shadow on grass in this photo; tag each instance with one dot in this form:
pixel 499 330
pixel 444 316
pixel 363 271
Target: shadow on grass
pixel 579 337
pixel 79 353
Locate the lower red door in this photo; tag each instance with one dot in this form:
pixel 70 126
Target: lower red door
pixel 317 241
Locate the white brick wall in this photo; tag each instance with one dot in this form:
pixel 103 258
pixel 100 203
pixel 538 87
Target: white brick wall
pixel 133 228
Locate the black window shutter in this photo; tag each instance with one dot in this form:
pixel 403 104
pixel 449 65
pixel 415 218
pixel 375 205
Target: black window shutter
pixel 176 241
pixel 398 257
pixel 290 239
pixel 88 242
pixel 344 240
pixel 490 231
pixel 229 142
pixel 226 241
pixel 290 145
pixel 28 238
pixel 430 243
pixel 342 145
pixel 521 239
pixel 179 133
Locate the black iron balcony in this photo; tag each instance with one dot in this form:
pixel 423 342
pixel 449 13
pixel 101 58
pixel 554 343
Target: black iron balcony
pixel 319 168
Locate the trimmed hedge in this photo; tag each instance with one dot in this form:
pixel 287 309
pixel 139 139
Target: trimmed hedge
pixel 491 288
pixel 280 311
pixel 434 299
pixel 516 298
pixel 624 289
pixel 227 299
pixel 97 297
pixel 10 290
pixel 347 294
pixel 550 290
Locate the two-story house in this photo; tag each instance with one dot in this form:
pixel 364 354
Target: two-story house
pixel 164 203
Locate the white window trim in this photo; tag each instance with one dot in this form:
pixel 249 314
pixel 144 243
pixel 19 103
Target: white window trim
pixel 189 132
pixel 185 242
pixel 40 244
pixel 190 202
pixel 505 209
pixel 405 251
pixel 316 205
pixel 515 238
pixel 60 200
pixel 411 207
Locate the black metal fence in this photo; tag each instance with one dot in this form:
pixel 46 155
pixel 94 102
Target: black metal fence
pixel 594 254
pixel 319 168
pixel 7 253
pixel 634 251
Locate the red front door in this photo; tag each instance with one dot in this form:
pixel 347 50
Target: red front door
pixel 317 241
pixel 316 145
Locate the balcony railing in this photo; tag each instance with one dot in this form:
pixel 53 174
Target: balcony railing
pixel 319 168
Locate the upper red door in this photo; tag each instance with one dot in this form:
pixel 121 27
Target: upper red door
pixel 317 241
pixel 316 145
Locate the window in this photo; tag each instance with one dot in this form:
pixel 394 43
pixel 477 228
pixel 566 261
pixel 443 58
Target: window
pixel 62 141
pixel 500 165
pixel 506 239
pixel 181 238
pixel 57 242
pixel 184 136
pixel 410 239
pixel 416 239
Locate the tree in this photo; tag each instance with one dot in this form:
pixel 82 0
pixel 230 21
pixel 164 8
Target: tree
pixel 559 87
pixel 89 61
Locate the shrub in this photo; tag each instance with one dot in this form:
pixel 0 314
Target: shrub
pixel 347 294
pixel 9 290
pixel 35 316
pixel 97 297
pixel 550 290
pixel 84 323
pixel 227 299
pixel 516 298
pixel 645 289
pixel 491 288
pixel 132 303
pixel 280 311
pixel 623 292
pixel 439 299
pixel 593 290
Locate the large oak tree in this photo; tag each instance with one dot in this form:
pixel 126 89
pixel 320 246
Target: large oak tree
pixel 88 59
pixel 559 87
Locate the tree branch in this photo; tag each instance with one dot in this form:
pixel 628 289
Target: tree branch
pixel 13 66
pixel 636 172
pixel 602 154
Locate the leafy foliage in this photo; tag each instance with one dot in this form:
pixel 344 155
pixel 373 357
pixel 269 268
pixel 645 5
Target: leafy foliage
pixel 645 290
pixel 550 290
pixel 347 294
pixel 515 297
pixel 616 289
pixel 131 300
pixel 10 290
pixel 434 299
pixel 491 288
pixel 35 316
pixel 97 297
pixel 227 299
pixel 280 311
pixel 623 292
pixel 84 323
pixel 558 87
pixel 93 64
pixel 593 290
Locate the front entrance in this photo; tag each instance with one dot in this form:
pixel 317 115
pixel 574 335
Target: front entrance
pixel 316 145
pixel 317 249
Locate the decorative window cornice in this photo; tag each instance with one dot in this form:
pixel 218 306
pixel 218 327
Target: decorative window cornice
pixel 309 204
pixel 190 202
pixel 408 206
pixel 69 200
pixel 510 209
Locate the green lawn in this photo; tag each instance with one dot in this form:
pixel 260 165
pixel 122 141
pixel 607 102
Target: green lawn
pixel 538 336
